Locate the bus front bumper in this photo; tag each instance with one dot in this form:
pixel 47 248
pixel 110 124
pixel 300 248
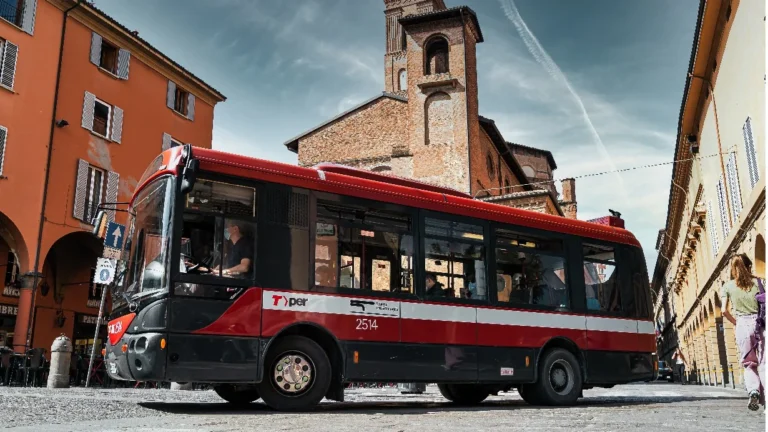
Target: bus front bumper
pixel 137 357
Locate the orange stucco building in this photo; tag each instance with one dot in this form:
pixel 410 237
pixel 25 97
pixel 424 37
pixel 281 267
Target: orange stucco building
pixel 85 105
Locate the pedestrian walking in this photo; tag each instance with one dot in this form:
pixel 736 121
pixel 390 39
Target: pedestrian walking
pixel 739 295
pixel 680 362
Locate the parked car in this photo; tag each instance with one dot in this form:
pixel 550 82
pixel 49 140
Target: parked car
pixel 665 372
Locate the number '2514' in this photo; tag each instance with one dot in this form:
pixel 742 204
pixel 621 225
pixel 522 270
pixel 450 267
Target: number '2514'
pixel 366 324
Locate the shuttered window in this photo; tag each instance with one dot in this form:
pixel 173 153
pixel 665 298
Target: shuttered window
pixel 170 142
pixel 714 241
pixel 733 187
pixel 109 57
pixel 3 139
pixel 180 100
pixel 750 148
pixel 9 52
pixel 20 13
pixel 102 118
pixel 721 204
pixel 94 186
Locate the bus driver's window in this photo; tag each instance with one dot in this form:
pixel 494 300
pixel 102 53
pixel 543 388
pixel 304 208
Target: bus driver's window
pixel 219 229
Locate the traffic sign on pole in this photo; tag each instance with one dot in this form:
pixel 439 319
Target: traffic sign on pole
pixel 111 253
pixel 105 271
pixel 114 237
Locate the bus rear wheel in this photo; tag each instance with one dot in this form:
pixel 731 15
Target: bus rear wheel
pixel 297 374
pixel 559 381
pixel 237 395
pixel 464 394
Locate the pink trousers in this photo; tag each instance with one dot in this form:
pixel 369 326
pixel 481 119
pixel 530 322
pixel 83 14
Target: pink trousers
pixel 751 348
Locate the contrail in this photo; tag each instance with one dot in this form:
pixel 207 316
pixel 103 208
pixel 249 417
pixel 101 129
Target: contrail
pixel 540 54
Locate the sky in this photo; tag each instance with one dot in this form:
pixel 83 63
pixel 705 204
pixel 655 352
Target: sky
pixel 598 83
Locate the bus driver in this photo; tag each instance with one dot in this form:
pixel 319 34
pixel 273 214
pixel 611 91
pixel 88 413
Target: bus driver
pixel 239 256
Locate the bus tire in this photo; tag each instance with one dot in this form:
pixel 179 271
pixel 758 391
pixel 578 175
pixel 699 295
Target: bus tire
pixel 559 381
pixel 464 394
pixel 237 395
pixel 308 384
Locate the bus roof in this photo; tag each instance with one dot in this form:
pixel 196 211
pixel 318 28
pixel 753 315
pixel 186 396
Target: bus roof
pixel 395 190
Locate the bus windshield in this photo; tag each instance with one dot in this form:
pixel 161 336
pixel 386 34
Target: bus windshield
pixel 148 243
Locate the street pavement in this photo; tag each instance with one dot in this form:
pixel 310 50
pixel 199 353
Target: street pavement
pixel 639 407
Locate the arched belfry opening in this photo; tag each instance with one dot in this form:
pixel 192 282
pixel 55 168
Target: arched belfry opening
pixel 437 56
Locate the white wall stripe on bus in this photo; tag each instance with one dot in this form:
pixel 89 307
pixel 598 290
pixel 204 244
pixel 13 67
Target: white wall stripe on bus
pixel 433 312
pixel 611 324
pixel 329 304
pixel 645 327
pixel 531 319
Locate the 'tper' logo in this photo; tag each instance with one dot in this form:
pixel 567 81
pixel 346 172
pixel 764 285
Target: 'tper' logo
pixel 288 301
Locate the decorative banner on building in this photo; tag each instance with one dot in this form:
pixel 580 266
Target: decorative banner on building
pixel 9 291
pixel 6 309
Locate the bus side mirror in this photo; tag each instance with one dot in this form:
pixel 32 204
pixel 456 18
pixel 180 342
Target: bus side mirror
pixel 100 224
pixel 189 176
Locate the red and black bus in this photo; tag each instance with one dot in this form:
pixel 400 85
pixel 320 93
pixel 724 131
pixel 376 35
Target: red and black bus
pixel 285 283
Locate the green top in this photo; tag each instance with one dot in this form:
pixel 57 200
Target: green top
pixel 742 302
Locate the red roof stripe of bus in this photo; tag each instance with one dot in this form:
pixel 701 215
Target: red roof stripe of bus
pixel 309 178
pixel 354 172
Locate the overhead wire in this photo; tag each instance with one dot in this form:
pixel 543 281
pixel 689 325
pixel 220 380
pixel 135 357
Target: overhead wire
pixel 654 165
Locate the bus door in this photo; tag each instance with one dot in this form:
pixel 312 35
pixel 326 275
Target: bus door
pixel 440 330
pixel 214 313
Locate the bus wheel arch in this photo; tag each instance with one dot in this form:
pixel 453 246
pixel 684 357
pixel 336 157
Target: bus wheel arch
pixel 327 342
pixel 568 345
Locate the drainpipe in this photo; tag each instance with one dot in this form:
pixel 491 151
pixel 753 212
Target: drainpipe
pixel 719 145
pixel 36 274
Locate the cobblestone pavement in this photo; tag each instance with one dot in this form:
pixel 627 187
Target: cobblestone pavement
pixel 641 407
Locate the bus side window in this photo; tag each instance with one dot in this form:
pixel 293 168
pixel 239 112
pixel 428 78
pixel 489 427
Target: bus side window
pixel 601 279
pixel 530 270
pixel 362 250
pixel 454 260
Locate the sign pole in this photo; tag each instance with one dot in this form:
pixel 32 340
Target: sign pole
pixel 96 334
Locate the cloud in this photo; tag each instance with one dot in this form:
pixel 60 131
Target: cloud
pixel 541 56
pixel 586 130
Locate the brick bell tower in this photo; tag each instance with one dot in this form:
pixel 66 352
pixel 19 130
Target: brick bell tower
pixel 431 60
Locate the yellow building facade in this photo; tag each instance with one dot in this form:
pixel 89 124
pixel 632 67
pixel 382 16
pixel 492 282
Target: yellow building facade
pixel 717 193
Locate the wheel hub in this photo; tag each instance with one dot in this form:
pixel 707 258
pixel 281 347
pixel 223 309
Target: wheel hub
pixel 561 377
pixel 293 374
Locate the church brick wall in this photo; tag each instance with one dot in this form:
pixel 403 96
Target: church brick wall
pixel 359 138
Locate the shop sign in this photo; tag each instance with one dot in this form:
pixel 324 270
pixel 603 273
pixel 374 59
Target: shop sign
pixel 93 303
pixel 89 319
pixel 6 309
pixel 11 292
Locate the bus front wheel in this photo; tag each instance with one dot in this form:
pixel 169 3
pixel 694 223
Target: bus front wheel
pixel 297 374
pixel 237 395
pixel 559 381
pixel 464 394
